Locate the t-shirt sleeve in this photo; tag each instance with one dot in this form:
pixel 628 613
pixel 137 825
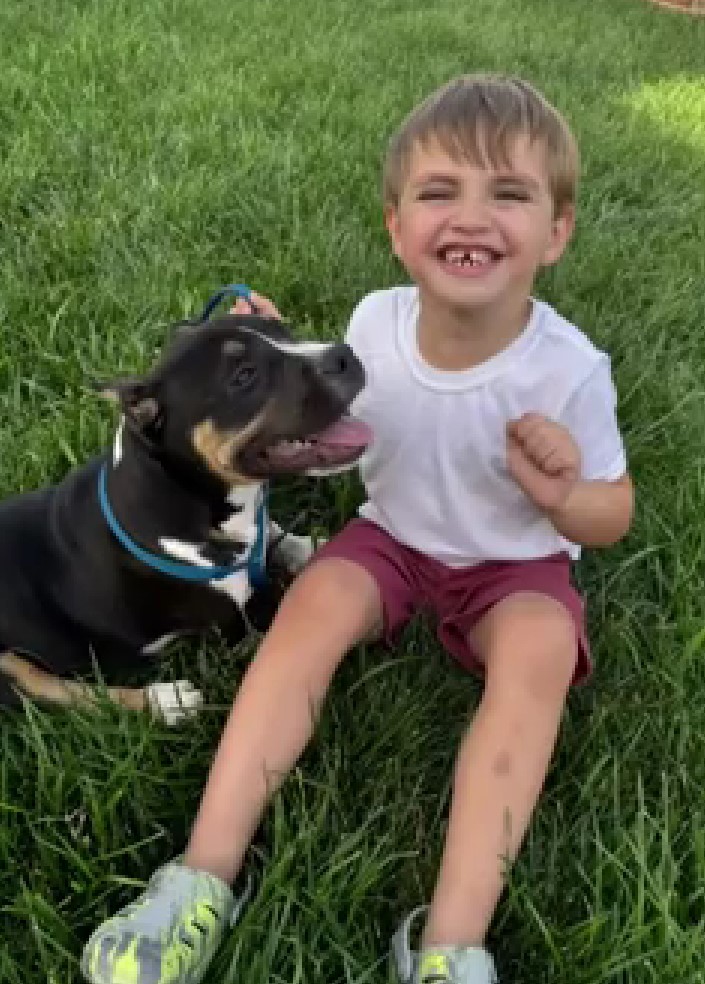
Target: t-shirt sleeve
pixel 591 417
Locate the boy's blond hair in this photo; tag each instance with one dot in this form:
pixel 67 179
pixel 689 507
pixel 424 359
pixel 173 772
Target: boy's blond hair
pixel 477 118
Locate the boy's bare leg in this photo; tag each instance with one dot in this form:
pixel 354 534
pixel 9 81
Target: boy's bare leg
pixel 528 645
pixel 331 606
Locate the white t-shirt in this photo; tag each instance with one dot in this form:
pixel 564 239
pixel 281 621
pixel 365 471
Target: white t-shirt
pixel 436 475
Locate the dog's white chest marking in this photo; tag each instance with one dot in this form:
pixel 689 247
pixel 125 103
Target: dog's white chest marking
pixel 240 527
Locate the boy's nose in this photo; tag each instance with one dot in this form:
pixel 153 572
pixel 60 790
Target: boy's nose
pixel 469 223
pixel 470 215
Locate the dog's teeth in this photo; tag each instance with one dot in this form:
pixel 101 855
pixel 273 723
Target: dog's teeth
pixel 292 447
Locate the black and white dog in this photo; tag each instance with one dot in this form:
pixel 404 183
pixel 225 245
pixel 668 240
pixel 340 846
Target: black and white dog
pixel 166 534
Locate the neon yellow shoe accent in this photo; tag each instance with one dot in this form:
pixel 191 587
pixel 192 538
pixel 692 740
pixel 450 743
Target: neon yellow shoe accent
pixel 126 965
pixel 439 964
pixel 434 965
pixel 169 935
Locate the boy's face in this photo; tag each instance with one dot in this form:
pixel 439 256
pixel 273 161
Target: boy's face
pixel 474 235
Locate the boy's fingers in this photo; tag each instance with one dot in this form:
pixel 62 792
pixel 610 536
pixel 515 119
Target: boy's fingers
pixel 256 304
pixel 540 444
pixel 241 307
pixel 532 436
pixel 264 306
pixel 524 426
pixel 554 464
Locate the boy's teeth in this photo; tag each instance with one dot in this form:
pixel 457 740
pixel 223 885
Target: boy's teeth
pixel 473 257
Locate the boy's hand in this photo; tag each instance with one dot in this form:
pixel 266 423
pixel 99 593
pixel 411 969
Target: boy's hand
pixel 543 459
pixel 260 305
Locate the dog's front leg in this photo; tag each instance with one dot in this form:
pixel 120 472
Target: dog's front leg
pixel 292 552
pixel 170 701
pixel 31 681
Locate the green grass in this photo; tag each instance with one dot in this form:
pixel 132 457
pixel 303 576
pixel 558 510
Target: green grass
pixel 150 152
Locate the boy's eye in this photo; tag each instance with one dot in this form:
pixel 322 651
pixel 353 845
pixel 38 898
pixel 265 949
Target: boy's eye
pixel 512 195
pixel 434 194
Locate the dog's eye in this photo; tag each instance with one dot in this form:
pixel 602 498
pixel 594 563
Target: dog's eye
pixel 243 376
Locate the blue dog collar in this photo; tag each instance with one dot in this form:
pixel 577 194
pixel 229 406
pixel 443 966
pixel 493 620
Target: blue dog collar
pixel 254 563
pixel 232 290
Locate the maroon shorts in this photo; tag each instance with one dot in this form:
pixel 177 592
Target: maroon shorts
pixel 408 582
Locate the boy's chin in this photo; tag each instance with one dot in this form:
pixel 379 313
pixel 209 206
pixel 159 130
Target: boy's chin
pixel 460 296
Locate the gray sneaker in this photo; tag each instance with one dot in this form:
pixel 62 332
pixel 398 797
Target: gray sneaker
pixel 440 964
pixel 168 935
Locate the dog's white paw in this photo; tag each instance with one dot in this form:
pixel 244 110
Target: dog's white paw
pixel 174 702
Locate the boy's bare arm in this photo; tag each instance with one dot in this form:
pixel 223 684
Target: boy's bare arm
pixel 596 514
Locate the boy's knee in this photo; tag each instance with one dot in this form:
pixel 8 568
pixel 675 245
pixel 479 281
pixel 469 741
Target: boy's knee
pixel 335 588
pixel 533 648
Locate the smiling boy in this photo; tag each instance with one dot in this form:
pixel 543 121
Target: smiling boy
pixel 497 455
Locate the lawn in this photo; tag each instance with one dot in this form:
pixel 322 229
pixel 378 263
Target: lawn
pixel 152 151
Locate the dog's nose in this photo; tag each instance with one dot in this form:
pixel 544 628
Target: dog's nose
pixel 338 360
pixel 340 371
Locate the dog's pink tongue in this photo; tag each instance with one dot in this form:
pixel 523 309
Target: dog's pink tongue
pixel 346 433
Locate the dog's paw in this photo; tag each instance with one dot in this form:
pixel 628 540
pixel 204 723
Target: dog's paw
pixel 174 702
pixel 294 552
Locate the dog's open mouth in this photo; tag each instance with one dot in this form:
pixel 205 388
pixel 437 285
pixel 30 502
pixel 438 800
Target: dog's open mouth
pixel 333 449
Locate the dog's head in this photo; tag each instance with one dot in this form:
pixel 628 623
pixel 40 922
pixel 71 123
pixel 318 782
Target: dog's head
pixel 242 397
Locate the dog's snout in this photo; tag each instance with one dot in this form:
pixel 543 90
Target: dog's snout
pixel 337 373
pixel 338 360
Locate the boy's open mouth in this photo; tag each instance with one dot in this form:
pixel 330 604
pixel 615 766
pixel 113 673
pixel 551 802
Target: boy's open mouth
pixel 468 259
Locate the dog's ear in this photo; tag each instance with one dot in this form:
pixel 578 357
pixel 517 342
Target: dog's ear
pixel 136 399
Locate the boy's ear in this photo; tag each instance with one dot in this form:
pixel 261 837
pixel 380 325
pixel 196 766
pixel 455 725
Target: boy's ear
pixel 391 221
pixel 136 400
pixel 562 228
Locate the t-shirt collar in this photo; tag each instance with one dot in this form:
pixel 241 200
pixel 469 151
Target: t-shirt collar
pixel 450 381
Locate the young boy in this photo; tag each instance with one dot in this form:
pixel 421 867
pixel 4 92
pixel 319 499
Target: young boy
pixel 496 455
